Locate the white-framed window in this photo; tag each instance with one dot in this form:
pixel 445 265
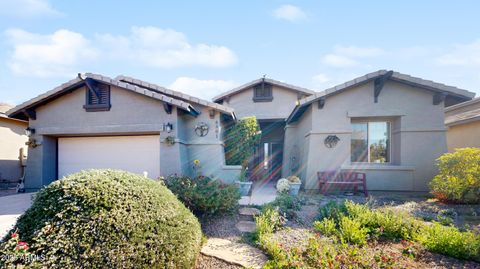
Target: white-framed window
pixel 371 142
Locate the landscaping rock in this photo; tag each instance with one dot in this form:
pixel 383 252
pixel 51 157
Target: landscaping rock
pixel 246 226
pixel 234 253
pixel 249 211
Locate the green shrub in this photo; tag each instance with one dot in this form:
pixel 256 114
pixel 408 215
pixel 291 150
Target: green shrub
pixel 204 195
pixel 106 218
pixel 452 242
pixel 286 204
pixel 333 210
pixel 458 180
pixel 326 227
pixel 269 221
pixel 240 140
pixel 351 231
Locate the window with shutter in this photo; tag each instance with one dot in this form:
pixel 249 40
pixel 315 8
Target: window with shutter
pixel 98 98
pixel 262 93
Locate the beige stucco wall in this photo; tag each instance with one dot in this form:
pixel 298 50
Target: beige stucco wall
pixel 12 139
pixel 130 114
pixel 279 108
pixel 463 135
pixel 418 136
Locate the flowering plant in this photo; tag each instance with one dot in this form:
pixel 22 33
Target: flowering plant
pixel 294 179
pixel 283 185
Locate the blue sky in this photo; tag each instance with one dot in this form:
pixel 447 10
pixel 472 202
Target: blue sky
pixel 206 47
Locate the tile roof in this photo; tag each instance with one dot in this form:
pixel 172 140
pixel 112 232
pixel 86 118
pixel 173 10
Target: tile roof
pixel 78 81
pixel 176 94
pixel 257 81
pixel 465 117
pixel 396 76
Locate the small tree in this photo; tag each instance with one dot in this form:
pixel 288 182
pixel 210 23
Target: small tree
pixel 459 177
pixel 240 141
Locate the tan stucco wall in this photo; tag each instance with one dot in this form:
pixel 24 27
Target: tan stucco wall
pixel 463 135
pixel 418 136
pixel 130 114
pixel 12 138
pixel 279 108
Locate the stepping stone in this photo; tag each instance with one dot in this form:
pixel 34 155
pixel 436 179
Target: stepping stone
pixel 234 253
pixel 249 211
pixel 246 226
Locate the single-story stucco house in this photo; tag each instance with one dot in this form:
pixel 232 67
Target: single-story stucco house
pixel 12 145
pixel 387 124
pixel 463 123
pixel 94 121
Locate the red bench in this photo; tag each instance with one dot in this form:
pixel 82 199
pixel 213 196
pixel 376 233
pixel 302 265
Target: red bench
pixel 344 179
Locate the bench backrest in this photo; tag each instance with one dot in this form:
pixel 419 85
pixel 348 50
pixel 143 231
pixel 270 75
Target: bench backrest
pixel 337 176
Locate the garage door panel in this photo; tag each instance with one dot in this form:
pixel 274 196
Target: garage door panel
pixel 136 154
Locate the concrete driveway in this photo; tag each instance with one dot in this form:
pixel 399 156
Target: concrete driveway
pixel 11 207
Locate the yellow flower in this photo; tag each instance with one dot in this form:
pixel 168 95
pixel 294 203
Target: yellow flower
pixel 196 162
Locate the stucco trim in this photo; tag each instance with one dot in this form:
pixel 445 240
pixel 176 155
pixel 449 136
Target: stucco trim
pixel 463 104
pixel 231 167
pixel 101 130
pixel 382 167
pixel 398 77
pixel 252 83
pixel 328 133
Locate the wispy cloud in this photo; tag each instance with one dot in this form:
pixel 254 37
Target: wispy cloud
pixel 289 13
pixel 348 56
pixel 320 78
pixel 165 48
pixel 462 55
pixel 205 89
pixel 64 52
pixel 27 8
pixel 48 55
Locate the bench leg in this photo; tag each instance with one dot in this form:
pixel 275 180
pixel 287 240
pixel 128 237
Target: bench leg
pixel 355 189
pixel 365 189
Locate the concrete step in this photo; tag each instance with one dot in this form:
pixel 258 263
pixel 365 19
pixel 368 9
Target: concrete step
pixel 248 213
pixel 234 253
pixel 246 226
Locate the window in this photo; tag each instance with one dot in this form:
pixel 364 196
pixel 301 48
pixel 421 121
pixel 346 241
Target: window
pixel 98 100
pixel 262 93
pixel 371 142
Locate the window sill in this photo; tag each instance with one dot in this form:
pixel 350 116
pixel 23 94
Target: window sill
pixel 377 166
pixel 95 108
pixel 258 100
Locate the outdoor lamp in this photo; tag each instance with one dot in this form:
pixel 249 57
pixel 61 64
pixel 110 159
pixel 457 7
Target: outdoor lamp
pixel 168 127
pixel 29 131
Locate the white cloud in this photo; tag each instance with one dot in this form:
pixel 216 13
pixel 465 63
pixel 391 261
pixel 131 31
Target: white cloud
pixel 48 55
pixel 467 55
pixel 321 78
pixel 27 8
pixel 205 89
pixel 64 52
pixel 165 48
pixel 348 56
pixel 289 13
pixel 338 60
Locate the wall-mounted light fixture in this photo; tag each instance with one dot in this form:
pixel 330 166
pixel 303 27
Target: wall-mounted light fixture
pixel 168 127
pixel 31 141
pixel 29 131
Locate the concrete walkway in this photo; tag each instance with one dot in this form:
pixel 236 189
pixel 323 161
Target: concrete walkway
pixel 262 193
pixel 235 253
pixel 11 207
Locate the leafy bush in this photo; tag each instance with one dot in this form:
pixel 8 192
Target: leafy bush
pixel 240 140
pixel 353 222
pixel 106 218
pixel 269 221
pixel 204 195
pixel 286 204
pixel 452 242
pixel 459 176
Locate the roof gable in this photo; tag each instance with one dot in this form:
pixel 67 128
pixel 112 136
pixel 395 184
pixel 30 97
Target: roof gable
pixel 18 111
pixel 252 83
pixel 455 92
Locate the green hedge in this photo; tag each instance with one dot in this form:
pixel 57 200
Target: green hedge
pixel 458 180
pixel 105 218
pixel 204 195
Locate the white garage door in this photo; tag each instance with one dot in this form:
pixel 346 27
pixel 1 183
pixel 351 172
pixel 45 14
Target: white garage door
pixel 137 154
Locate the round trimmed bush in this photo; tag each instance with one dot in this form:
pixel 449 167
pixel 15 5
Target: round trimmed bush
pixel 459 178
pixel 107 218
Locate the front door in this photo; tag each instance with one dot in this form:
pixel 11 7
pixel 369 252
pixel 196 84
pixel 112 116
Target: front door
pixel 267 163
